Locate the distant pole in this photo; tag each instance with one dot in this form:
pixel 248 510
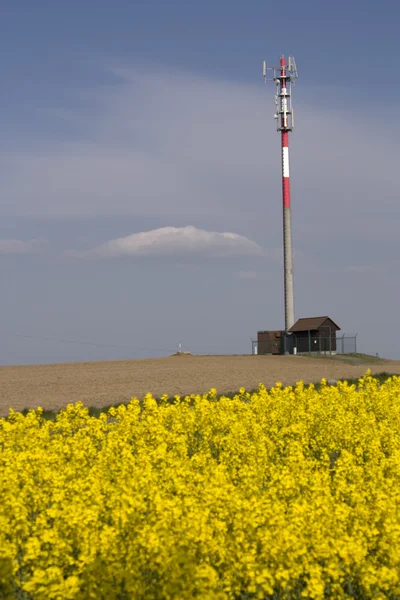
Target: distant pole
pixel 284 76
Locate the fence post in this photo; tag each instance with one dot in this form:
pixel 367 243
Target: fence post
pixel 355 343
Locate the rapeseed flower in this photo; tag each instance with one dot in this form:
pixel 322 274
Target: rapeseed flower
pixel 281 494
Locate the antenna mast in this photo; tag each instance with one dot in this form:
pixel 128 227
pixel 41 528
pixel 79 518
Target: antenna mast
pixel 284 76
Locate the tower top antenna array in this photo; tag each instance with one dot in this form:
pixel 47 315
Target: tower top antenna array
pixel 284 77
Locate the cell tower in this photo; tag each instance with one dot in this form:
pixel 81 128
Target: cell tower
pixel 284 76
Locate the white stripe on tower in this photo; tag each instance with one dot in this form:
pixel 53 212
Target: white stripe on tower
pixel 285 161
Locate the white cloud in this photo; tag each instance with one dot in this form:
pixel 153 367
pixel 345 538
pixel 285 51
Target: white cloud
pixel 176 241
pixel 22 247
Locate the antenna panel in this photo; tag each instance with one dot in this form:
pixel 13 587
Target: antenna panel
pixel 292 66
pixel 265 68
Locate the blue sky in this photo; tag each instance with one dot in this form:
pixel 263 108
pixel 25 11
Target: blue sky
pixel 121 119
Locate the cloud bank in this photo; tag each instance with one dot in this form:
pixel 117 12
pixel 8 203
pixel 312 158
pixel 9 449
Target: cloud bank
pixel 175 242
pixel 15 247
pixel 169 144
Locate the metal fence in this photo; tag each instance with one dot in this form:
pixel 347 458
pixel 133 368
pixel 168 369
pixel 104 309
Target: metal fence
pixel 347 344
pixel 311 342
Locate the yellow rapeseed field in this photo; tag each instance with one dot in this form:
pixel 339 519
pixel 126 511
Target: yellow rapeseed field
pixel 286 494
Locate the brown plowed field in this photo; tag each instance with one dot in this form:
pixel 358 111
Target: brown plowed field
pixel 104 383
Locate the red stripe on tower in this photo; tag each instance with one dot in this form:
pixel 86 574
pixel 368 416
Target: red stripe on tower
pixel 284 137
pixel 285 169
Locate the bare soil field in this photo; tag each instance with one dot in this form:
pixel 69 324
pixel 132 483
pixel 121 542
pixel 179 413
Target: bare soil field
pixel 100 384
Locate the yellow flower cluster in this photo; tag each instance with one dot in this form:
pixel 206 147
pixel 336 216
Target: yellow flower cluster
pixel 286 494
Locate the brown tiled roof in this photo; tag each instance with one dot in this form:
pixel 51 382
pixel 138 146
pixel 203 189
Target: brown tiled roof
pixel 311 323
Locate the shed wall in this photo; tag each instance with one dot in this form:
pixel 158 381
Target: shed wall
pixel 269 342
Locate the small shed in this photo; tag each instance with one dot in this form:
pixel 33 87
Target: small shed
pixel 315 334
pixel 270 342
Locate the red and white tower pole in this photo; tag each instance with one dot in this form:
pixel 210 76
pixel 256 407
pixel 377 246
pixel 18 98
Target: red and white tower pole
pixel 284 76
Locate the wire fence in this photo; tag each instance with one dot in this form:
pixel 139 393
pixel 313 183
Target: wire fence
pixel 112 351
pixel 307 342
